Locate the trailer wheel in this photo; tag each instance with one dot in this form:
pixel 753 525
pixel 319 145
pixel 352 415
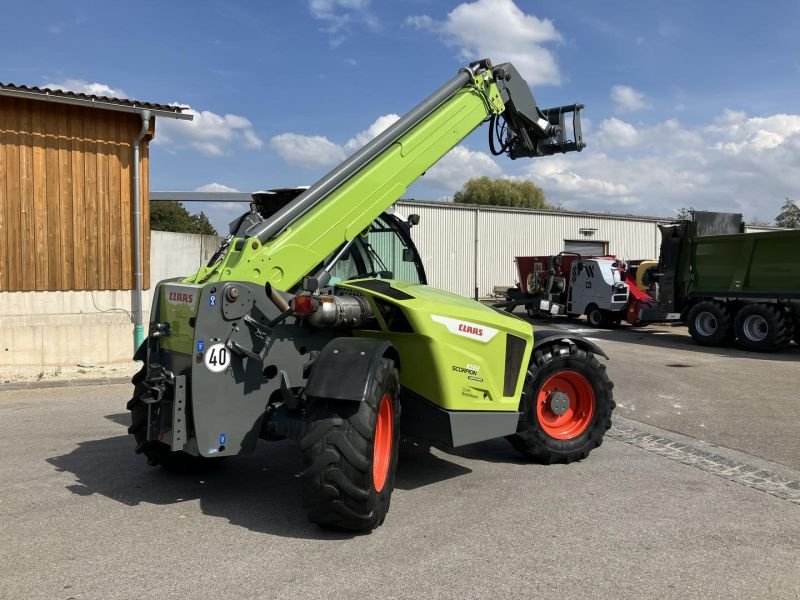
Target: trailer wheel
pixel 566 406
pixel 796 332
pixel 763 327
pixel 350 455
pixel 597 317
pixel 709 323
pixel 158 453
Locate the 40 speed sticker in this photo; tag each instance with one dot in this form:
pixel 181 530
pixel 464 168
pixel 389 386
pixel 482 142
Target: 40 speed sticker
pixel 217 358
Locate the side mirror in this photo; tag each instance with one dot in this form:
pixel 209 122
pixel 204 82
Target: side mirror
pixel 413 220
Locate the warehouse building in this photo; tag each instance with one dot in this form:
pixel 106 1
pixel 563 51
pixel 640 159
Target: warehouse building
pixel 469 249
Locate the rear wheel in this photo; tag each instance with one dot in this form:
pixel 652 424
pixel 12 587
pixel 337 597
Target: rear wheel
pixel 566 406
pixel 709 323
pixel 350 455
pixel 763 327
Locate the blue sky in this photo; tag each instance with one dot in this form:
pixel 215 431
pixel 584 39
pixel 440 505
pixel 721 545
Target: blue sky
pixel 687 103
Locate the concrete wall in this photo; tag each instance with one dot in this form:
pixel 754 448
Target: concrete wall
pixel 67 328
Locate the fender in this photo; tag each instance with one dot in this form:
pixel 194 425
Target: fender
pixel 544 337
pixel 346 366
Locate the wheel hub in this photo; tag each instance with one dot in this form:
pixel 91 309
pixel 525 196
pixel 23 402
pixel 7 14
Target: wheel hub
pixel 706 324
pixel 559 402
pixel 756 328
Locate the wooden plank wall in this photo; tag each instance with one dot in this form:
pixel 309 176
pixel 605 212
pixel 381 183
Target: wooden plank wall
pixel 66 211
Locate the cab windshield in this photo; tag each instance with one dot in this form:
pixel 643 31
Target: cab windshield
pixel 384 251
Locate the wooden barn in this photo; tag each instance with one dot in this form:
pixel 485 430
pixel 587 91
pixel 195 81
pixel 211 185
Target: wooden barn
pixel 68 185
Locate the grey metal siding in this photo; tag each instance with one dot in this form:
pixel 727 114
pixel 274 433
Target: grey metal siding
pixel 446 238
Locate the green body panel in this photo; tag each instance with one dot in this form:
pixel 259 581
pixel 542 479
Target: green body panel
pixel 456 356
pixel 293 254
pixel 745 263
pixel 177 304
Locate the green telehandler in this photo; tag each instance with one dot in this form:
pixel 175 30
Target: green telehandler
pixel 313 322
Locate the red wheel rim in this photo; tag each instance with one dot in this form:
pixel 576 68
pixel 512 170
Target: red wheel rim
pixel 576 418
pixel 382 445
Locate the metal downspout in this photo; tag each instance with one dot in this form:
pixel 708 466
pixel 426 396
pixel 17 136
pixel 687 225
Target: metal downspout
pixel 138 325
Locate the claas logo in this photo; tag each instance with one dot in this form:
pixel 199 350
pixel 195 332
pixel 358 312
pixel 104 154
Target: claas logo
pixel 470 329
pixel 180 297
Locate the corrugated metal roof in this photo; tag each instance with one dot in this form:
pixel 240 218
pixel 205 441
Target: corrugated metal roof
pixel 91 98
pixel 489 207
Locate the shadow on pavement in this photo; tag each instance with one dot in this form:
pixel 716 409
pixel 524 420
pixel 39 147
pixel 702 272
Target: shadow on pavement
pixel 260 491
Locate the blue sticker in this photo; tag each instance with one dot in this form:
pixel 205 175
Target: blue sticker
pixel 222 438
pixel 212 300
pixel 201 345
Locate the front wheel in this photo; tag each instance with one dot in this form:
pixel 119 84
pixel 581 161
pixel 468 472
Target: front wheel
pixel 597 317
pixel 350 455
pixel 566 406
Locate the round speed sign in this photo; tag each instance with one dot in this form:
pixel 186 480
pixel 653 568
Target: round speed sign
pixel 217 358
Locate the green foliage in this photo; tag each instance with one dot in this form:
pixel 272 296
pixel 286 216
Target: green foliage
pixel 502 192
pixel 172 216
pixel 789 215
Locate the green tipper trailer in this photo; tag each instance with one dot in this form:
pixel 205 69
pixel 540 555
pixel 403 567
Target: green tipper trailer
pixel 728 284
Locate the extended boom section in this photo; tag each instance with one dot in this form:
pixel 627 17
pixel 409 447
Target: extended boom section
pixel 287 245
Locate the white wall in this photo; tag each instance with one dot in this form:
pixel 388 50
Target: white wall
pixel 63 328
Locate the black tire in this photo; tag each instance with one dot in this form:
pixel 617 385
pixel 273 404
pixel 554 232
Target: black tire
pixel 535 438
pixel 339 486
pixel 157 453
pixel 796 332
pixel 597 317
pixel 763 327
pixel 709 323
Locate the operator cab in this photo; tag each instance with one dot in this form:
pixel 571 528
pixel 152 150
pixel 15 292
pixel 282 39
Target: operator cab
pixel 384 250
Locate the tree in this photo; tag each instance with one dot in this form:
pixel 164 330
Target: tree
pixel 684 214
pixel 203 225
pixel 789 215
pixel 502 192
pixel 172 216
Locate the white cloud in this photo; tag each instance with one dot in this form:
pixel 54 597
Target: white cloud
pixel 81 86
pixel 423 22
pixel 459 165
pixel 499 30
pixel 361 138
pixel 618 133
pixel 627 99
pixel 742 134
pixel 318 151
pixel 737 163
pixel 310 151
pixel 340 15
pixel 215 187
pixel 208 132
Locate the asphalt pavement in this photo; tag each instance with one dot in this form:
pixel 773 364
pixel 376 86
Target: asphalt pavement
pixel 701 500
